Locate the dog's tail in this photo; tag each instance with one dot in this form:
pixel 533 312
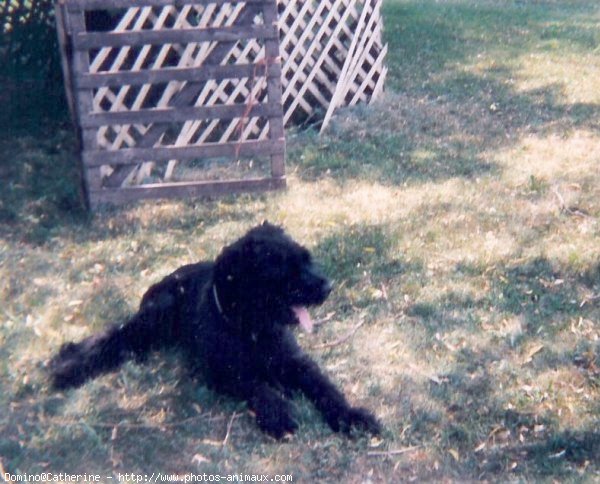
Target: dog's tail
pixel 76 363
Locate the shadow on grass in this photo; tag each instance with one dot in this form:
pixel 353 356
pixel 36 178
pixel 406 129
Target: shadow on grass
pixel 492 439
pixel 41 189
pixel 475 415
pixel 411 140
pixel 362 263
pixel 140 413
pixel 554 456
pixel 430 38
pixel 537 291
pixel 42 196
pixel 442 120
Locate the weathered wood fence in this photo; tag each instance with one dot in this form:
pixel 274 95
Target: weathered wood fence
pixel 189 97
pixel 162 88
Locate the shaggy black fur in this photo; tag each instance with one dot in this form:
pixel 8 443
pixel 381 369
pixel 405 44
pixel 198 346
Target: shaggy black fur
pixel 232 318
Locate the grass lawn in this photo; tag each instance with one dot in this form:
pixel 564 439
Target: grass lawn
pixel 459 218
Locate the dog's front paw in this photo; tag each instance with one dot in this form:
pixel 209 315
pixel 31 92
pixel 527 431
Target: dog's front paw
pixel 276 426
pixel 355 418
pixel 276 420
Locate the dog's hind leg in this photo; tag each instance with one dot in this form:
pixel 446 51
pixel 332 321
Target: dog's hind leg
pixel 163 317
pixel 76 363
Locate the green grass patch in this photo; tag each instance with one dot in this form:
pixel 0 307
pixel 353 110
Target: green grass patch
pixel 459 218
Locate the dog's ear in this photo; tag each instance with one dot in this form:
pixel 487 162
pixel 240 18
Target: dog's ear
pixel 230 262
pixel 268 227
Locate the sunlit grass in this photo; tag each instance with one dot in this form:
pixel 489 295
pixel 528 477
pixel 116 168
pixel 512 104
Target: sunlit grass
pixel 459 219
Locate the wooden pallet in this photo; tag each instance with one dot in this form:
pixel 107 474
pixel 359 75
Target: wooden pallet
pixel 164 105
pixel 187 80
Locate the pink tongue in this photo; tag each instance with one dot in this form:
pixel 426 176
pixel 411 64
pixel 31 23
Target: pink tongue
pixel 303 318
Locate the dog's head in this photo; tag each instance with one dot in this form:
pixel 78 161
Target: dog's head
pixel 266 278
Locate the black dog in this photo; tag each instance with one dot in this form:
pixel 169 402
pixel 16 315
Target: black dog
pixel 232 318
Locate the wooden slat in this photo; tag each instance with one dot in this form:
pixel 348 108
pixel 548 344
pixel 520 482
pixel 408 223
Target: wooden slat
pixel 377 68
pixel 130 156
pixel 208 54
pixel 342 79
pixel 170 115
pixel 77 5
pixel 168 74
pixel 132 19
pixel 276 130
pixel 240 14
pixel 92 40
pixel 88 139
pixel 372 31
pixel 185 190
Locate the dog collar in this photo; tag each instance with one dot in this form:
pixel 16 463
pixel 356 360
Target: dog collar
pixel 217 302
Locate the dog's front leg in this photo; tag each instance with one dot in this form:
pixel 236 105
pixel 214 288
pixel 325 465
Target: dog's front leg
pixel 304 374
pixel 273 412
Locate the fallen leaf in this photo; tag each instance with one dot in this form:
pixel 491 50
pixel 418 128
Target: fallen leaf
pixel 454 453
pixel 199 459
pixel 480 447
pixel 375 442
pixel 214 443
pixel 532 352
